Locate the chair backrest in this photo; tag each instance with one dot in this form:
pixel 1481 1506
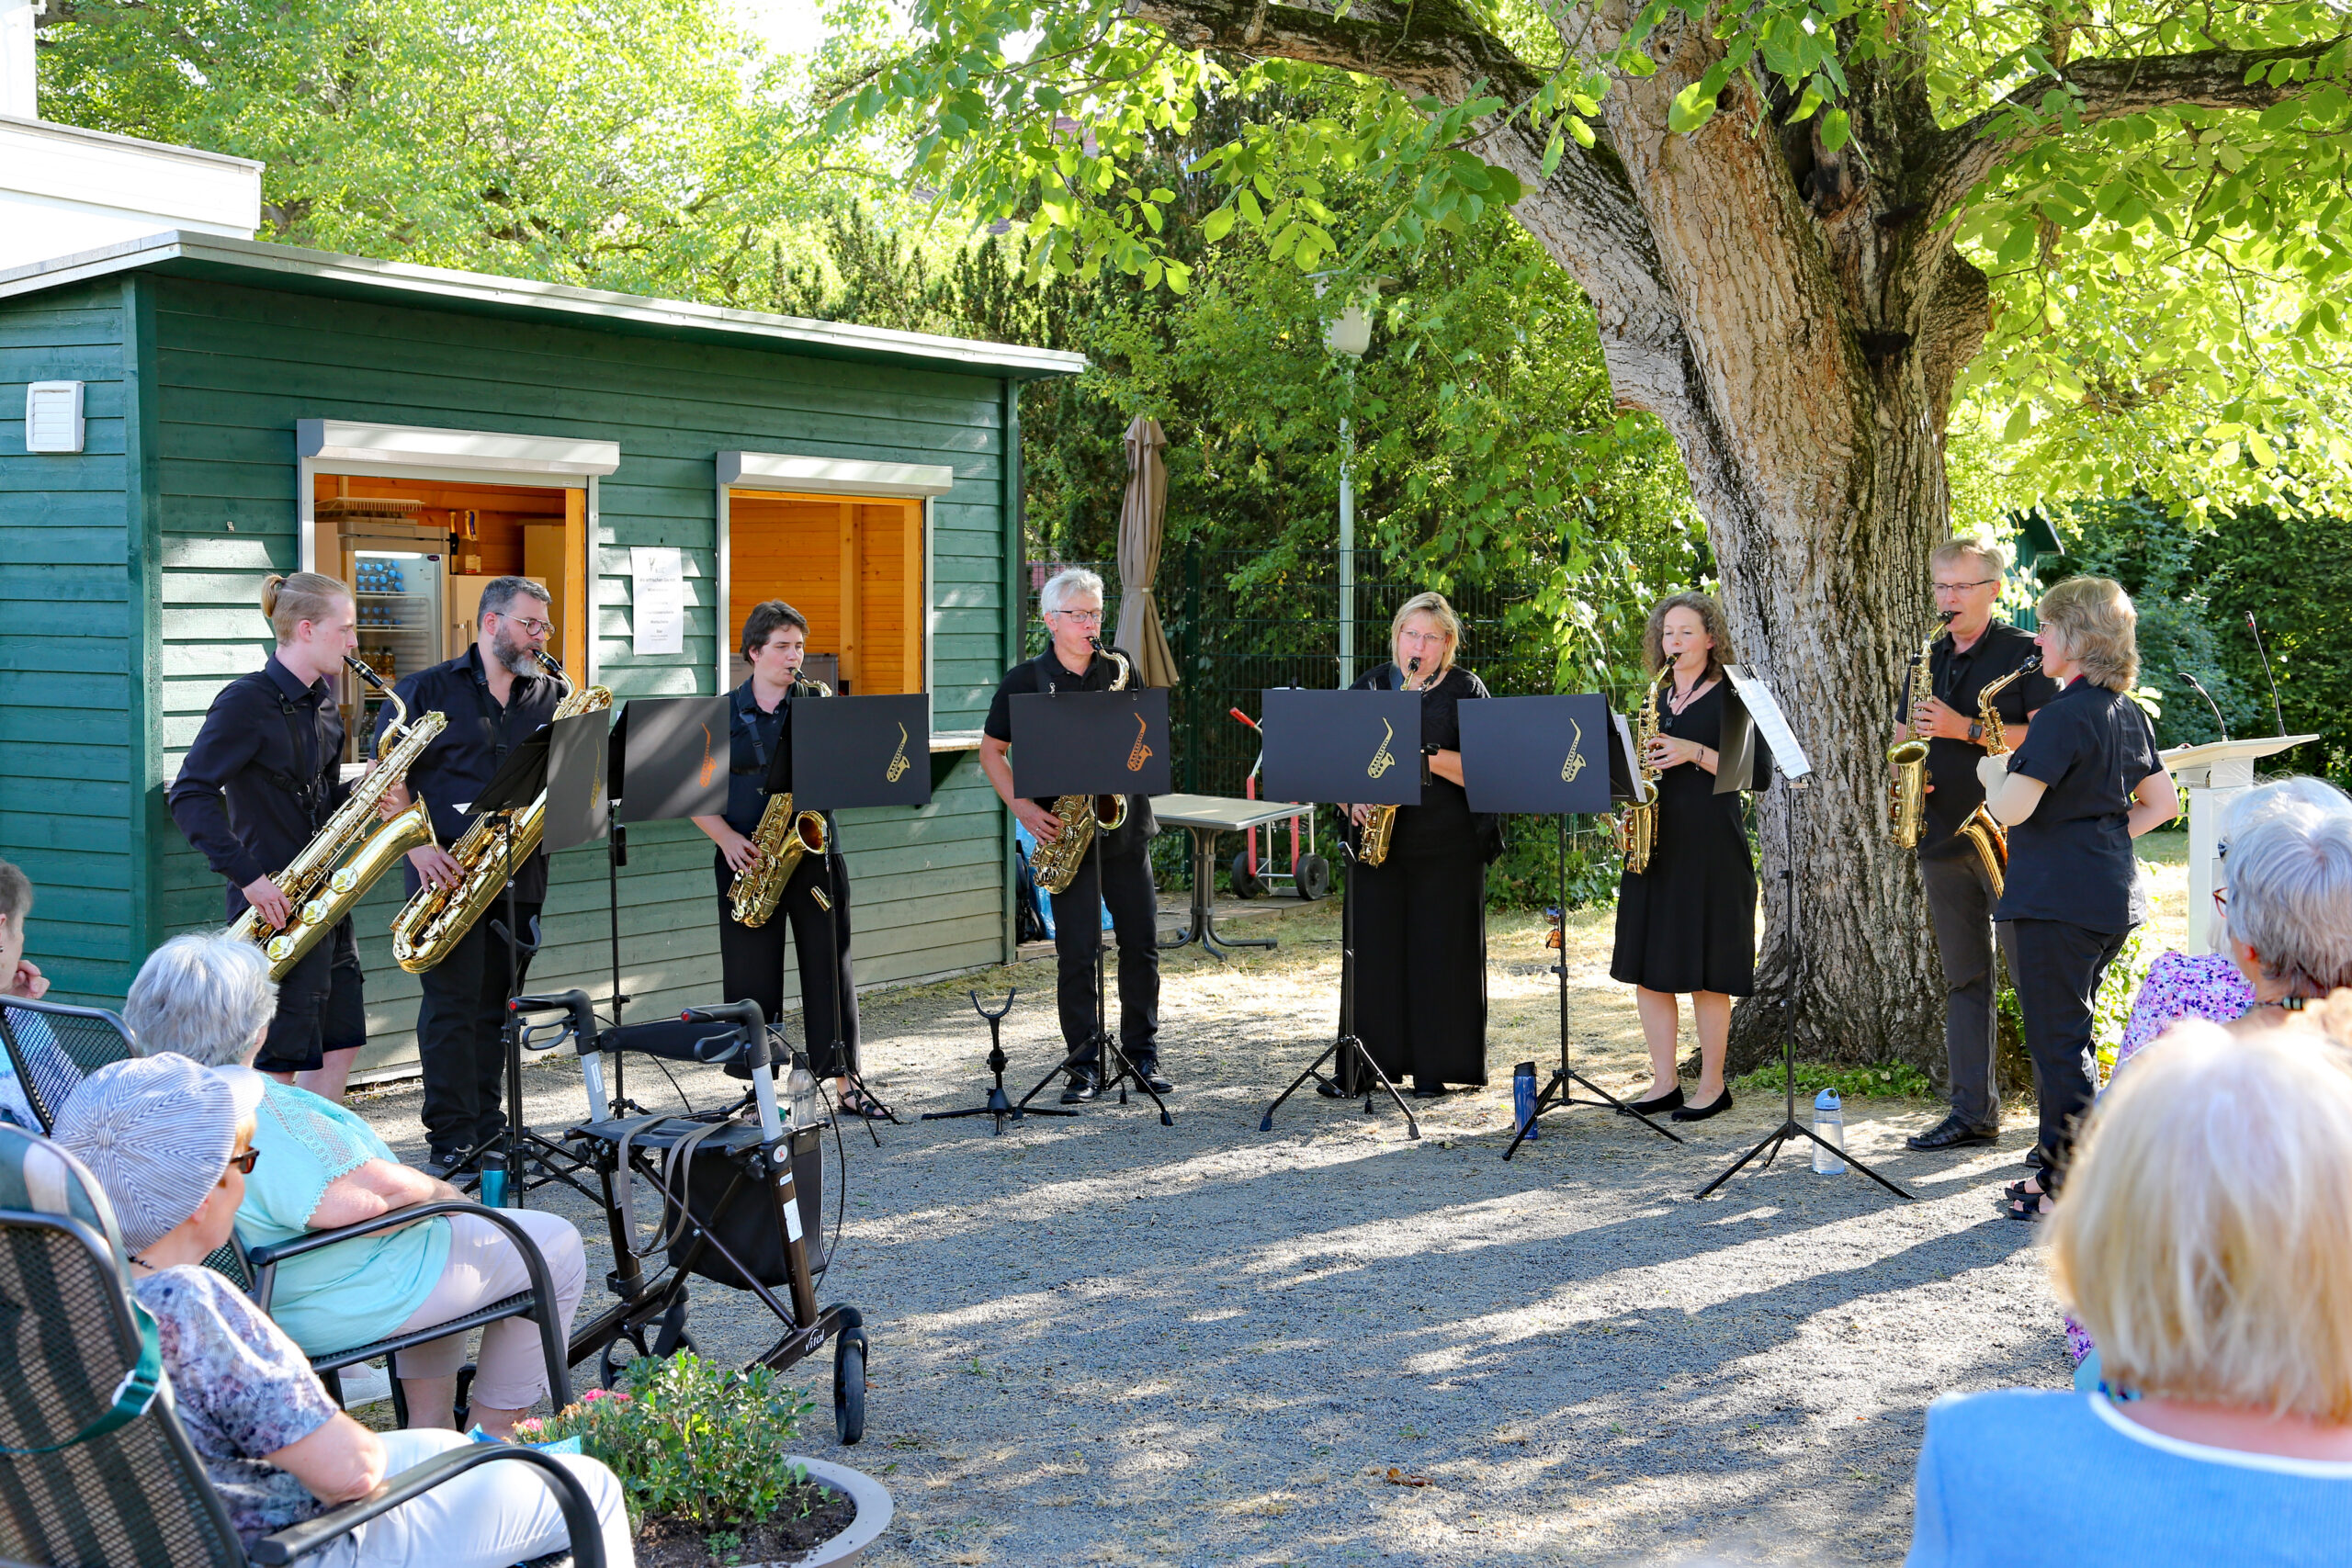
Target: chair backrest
pixel 68 1338
pixel 53 1047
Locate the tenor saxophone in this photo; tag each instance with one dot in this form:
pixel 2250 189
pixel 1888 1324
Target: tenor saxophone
pixel 782 837
pixel 431 924
pixel 1985 836
pixel 344 859
pixel 1055 864
pixel 1907 810
pixel 1636 827
pixel 1380 822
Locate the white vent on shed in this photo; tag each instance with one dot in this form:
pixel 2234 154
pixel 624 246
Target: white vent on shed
pixel 53 416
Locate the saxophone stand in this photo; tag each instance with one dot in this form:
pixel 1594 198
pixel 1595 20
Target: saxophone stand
pixel 1110 1060
pixel 1789 1129
pixel 998 1104
pixel 1560 1093
pixel 1353 1065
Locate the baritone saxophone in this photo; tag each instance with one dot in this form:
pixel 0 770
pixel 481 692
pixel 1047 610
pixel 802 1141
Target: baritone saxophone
pixel 1985 836
pixel 782 837
pixel 1056 864
pixel 431 924
pixel 344 859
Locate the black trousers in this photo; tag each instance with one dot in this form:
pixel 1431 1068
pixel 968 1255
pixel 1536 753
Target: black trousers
pixel 750 960
pixel 460 1034
pixel 321 1006
pixel 1959 901
pixel 2058 967
pixel 1420 964
pixel 1125 886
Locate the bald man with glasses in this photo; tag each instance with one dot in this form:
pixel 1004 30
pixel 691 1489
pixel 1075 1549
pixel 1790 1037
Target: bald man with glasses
pixel 1976 649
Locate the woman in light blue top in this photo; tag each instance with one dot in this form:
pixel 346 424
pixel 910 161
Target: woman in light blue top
pixel 210 999
pixel 2206 1240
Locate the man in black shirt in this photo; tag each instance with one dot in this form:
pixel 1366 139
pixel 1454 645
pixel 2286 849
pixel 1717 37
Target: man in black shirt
pixel 1072 606
pixel 495 695
pixel 1975 650
pixel 262 777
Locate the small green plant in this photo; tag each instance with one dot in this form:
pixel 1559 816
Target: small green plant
pixel 1883 1080
pixel 690 1441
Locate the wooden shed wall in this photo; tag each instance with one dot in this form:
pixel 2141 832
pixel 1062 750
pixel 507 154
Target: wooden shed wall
pixel 234 367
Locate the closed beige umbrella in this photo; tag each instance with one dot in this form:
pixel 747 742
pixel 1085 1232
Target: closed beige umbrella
pixel 1142 519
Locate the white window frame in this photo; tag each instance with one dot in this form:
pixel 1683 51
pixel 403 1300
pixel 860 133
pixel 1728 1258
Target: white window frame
pixel 357 449
pixel 843 476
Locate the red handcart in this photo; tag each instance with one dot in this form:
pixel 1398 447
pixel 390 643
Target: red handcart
pixel 1309 875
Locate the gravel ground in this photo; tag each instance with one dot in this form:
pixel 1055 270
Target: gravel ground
pixel 1103 1340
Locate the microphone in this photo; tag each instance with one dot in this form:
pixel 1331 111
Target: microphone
pixel 2199 688
pixel 2276 712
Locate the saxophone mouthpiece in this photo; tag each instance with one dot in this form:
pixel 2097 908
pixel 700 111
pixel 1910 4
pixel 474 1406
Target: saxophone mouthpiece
pixel 363 669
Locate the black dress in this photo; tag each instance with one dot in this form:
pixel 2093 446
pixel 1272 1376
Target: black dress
pixel 1420 917
pixel 1688 922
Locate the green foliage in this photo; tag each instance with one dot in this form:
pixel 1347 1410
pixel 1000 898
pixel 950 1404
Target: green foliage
pixel 1883 1080
pixel 690 1441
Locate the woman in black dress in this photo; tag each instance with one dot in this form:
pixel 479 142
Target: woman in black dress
pixel 1687 924
pixel 1420 915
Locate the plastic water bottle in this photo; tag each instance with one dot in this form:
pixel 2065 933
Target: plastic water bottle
pixel 1829 1126
pixel 800 1090
pixel 494 1180
pixel 1523 1099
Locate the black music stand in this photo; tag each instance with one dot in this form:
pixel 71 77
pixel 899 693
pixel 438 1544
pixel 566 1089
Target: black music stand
pixel 847 753
pixel 1752 715
pixel 1546 756
pixel 1094 743
pixel 1344 748
pixel 668 762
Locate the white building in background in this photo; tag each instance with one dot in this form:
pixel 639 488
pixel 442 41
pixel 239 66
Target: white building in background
pixel 65 190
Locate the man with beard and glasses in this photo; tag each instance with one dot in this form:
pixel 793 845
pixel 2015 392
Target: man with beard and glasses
pixel 495 694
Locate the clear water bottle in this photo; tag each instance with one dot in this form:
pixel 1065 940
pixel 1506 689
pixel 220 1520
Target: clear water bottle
pixel 808 1107
pixel 1829 1126
pixel 1523 1099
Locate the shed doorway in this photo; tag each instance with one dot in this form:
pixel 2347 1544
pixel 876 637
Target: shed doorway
pixel 854 565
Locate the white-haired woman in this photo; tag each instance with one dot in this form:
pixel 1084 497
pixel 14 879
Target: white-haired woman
pixel 209 999
pixel 2086 784
pixel 1420 915
pixel 1071 605
pixel 2203 1240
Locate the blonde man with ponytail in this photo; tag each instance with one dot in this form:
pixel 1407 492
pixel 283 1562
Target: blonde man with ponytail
pixel 262 776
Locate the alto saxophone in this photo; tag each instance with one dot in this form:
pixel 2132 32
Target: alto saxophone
pixel 1636 827
pixel 1908 811
pixel 432 923
pixel 1985 835
pixel 1056 864
pixel 1380 822
pixel 782 837
pixel 321 883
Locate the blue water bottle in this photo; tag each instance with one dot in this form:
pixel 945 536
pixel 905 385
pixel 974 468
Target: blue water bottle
pixel 1523 1098
pixel 494 1180
pixel 1829 1126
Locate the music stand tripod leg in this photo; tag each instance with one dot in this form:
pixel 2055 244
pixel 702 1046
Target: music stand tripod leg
pixel 1113 1058
pixel 826 897
pixel 1348 1049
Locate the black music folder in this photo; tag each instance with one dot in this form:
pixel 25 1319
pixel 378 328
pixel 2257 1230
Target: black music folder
pixel 670 757
pixel 1536 756
pixel 1090 743
pixel 1356 748
pixel 860 751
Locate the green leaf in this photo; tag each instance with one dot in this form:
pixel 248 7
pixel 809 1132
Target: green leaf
pixel 1837 128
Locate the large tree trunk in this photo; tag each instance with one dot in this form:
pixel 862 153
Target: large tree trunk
pixel 1798 326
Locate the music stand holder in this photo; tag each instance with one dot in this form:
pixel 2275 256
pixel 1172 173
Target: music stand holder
pixel 998 1103
pixel 1766 713
pixel 1110 1056
pixel 1338 747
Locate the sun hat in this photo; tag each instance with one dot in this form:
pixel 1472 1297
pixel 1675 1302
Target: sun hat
pixel 157 1131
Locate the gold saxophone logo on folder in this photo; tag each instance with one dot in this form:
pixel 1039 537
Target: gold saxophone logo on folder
pixel 1383 759
pixel 898 763
pixel 709 762
pixel 1573 765
pixel 1140 753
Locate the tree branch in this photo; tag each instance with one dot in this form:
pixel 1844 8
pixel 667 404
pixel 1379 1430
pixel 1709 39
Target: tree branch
pixel 2111 89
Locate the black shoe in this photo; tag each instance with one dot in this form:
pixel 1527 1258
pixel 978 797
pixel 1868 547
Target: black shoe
pixel 1083 1086
pixel 1671 1100
pixel 1429 1091
pixel 1952 1132
pixel 1721 1103
pixel 1148 1074
pixel 443 1165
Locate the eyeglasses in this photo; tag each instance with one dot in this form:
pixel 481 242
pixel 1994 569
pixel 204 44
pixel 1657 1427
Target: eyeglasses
pixel 530 628
pixel 1083 617
pixel 1420 639
pixel 1965 587
pixel 2222 902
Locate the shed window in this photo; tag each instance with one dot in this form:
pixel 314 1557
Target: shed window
pixel 854 565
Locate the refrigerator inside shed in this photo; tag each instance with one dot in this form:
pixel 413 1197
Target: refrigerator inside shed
pixel 399 594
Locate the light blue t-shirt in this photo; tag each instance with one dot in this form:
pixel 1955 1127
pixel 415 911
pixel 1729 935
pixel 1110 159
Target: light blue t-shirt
pixel 2030 1475
pixel 356 1292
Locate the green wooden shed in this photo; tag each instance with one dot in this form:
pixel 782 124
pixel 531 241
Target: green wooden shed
pixel 204 410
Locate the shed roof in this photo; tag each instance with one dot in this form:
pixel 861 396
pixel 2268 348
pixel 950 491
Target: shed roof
pixel 183 254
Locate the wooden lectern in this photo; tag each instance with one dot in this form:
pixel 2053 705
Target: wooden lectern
pixel 2211 775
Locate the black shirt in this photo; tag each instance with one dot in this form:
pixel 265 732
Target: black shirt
pixel 2072 859
pixel 1444 822
pixel 1047 673
pixel 463 758
pixel 1958 677
pixel 755 737
pixel 272 748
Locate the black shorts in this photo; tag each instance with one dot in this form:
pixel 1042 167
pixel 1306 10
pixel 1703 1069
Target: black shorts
pixel 321 1008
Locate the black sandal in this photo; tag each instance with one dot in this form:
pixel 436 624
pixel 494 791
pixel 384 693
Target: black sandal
pixel 2026 1206
pixel 857 1104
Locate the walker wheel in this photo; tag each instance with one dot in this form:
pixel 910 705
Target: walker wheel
pixel 1245 883
pixel 1314 879
pixel 849 1386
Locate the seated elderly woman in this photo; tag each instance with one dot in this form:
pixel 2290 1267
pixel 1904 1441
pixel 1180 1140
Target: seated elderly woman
pixel 210 999
pixel 2207 1240
pixel 172 1144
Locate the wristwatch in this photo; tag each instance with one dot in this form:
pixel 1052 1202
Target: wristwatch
pixel 1976 732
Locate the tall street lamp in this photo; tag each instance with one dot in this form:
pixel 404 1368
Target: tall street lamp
pixel 1349 334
